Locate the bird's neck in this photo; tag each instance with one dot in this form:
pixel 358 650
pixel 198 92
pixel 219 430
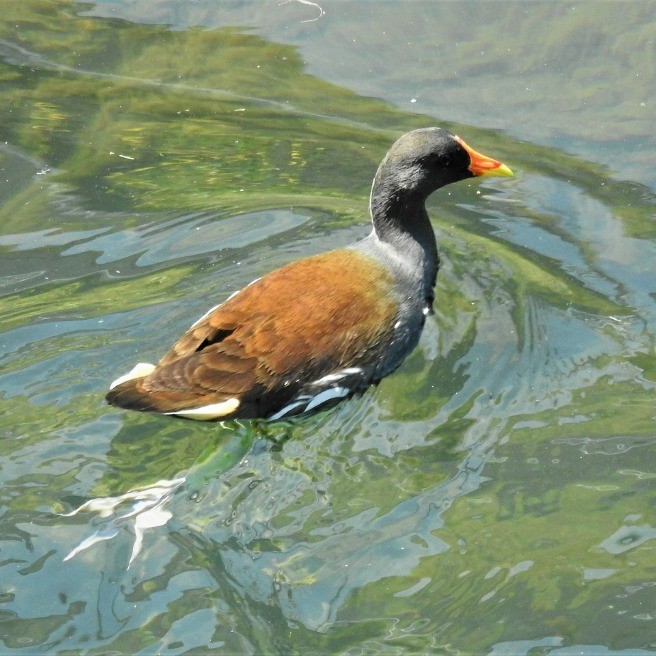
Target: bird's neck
pixel 401 222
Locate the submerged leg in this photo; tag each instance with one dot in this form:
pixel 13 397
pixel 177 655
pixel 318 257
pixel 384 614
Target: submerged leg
pixel 146 507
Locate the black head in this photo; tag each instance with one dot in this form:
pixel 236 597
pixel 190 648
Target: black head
pixel 424 160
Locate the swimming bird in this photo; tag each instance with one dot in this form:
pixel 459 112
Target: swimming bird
pixel 325 327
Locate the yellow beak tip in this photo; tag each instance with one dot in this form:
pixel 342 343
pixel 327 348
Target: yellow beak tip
pixel 505 171
pixel 498 171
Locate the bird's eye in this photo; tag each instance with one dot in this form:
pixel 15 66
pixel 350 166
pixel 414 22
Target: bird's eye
pixel 440 162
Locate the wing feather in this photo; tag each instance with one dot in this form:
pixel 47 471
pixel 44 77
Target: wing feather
pixel 292 326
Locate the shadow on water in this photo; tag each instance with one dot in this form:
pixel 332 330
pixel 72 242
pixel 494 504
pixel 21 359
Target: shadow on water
pixel 492 496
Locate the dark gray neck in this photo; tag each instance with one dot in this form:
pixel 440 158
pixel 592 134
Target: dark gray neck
pixel 401 223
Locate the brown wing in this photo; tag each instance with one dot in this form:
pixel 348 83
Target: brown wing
pixel 294 325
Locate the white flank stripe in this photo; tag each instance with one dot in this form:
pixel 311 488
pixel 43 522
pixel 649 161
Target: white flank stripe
pixel 330 378
pixel 327 395
pixel 208 412
pixel 338 375
pixel 140 370
pixel 287 409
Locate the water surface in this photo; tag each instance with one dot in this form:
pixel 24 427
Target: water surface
pixel 495 495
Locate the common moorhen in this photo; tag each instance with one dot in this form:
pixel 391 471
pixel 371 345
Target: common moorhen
pixel 324 327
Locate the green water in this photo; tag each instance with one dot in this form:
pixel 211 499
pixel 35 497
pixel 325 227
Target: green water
pixel 496 494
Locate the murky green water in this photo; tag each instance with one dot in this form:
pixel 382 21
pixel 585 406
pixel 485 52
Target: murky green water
pixel 496 494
